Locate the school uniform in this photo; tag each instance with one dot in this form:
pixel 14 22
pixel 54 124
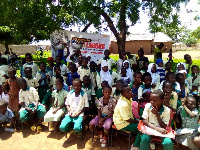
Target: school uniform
pixel 122 113
pixel 132 60
pixel 196 82
pixel 93 76
pixel 175 86
pixel 89 91
pixel 6 118
pixel 119 64
pixel 34 67
pixel 43 85
pixel 64 69
pixel 32 82
pixel 3 71
pixel 59 100
pixel 29 97
pixel 53 81
pixel 83 72
pixel 76 105
pixel 110 62
pixel 150 117
pixel 173 100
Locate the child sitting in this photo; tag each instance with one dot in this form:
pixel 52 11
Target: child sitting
pixel 123 117
pixel 106 106
pixel 6 115
pixel 76 103
pixel 13 91
pixel 160 69
pixel 43 79
pixel 93 74
pixel 171 97
pixel 106 75
pixel 73 73
pixel 29 101
pixel 170 76
pixel 110 61
pixel 154 75
pixel 184 88
pixel 168 67
pixel 129 72
pixel 188 116
pixel 144 92
pixel 99 93
pixel 117 92
pixel 63 67
pixel 4 93
pixel 145 67
pixel 31 81
pixel 31 64
pixel 50 66
pixel 194 79
pixel 89 90
pixel 156 116
pixel 126 80
pixel 58 104
pixel 84 70
pixel 180 66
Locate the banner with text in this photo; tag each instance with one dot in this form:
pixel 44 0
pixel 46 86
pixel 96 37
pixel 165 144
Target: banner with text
pixel 93 44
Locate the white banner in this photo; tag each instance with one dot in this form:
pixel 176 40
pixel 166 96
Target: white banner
pixel 94 44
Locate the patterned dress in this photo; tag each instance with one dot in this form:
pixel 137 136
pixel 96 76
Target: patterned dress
pixel 13 95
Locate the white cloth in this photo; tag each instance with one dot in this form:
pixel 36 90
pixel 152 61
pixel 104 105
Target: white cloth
pixel 4 96
pixel 53 117
pixel 181 63
pixel 129 72
pixel 105 76
pixel 154 76
pixel 75 103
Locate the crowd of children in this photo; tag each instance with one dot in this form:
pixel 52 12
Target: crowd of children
pixel 140 92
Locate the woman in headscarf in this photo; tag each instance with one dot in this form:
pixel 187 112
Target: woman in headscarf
pixel 154 75
pixel 129 72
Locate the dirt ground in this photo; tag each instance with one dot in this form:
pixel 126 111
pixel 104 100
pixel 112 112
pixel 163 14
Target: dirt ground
pixel 27 140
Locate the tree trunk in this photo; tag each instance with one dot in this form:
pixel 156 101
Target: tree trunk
pixel 7 48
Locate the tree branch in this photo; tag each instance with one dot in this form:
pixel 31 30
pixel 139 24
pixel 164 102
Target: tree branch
pixel 87 26
pixel 109 21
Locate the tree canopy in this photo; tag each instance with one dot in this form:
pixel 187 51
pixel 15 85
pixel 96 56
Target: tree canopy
pixel 21 21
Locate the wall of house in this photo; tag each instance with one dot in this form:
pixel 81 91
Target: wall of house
pixel 133 46
pixel 166 44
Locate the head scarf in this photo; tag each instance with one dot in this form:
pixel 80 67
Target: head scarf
pixel 129 72
pixel 158 61
pixel 154 76
pixel 105 76
pixel 181 63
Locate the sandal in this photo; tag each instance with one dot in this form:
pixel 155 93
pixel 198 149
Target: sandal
pixel 33 128
pixel 39 129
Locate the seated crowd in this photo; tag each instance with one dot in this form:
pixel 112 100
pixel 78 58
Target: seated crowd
pixel 139 92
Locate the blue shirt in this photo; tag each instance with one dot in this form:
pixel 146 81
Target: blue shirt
pixel 70 76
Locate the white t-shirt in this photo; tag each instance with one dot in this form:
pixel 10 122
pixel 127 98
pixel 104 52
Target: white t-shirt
pixel 75 103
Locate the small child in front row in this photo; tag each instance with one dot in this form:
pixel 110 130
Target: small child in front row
pixel 144 91
pixel 58 104
pixel 31 81
pixel 43 79
pixel 6 115
pixel 29 101
pixel 157 117
pixel 76 103
pixel 106 106
pixel 188 117
pixel 123 117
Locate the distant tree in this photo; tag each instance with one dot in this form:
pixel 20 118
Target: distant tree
pixel 196 33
